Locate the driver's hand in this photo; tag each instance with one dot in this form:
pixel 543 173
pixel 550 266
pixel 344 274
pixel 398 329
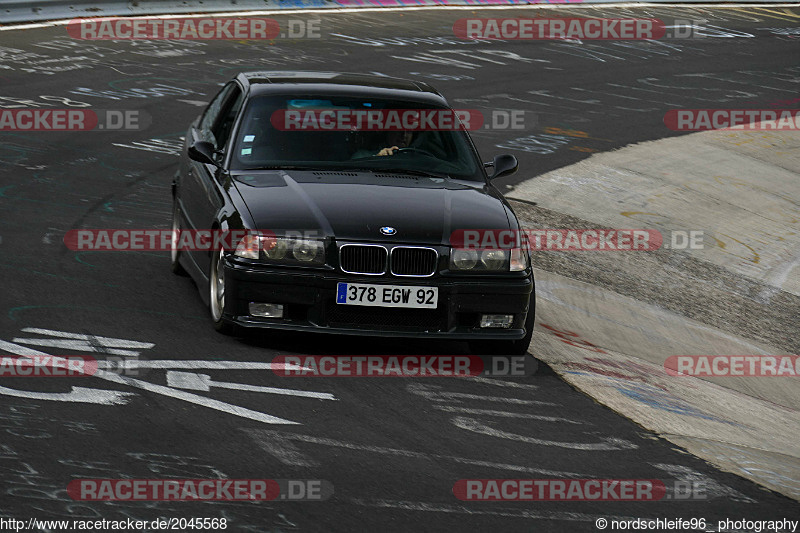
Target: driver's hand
pixel 388 151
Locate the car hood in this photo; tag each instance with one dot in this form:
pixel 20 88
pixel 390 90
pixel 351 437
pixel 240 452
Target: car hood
pixel 355 205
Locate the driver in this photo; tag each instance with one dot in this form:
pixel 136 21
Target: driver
pixel 392 141
pixel 396 140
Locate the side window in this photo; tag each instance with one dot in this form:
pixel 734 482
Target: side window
pixel 232 103
pixel 218 119
pixel 212 112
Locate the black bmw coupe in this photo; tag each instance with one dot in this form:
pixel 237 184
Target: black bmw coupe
pixel 344 221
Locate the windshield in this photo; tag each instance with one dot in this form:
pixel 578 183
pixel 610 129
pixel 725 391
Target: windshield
pixel 332 133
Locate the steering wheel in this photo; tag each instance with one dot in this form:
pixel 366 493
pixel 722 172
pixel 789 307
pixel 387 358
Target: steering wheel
pixel 411 149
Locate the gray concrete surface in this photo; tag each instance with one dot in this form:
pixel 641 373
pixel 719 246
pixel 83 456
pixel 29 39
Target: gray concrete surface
pixel 741 189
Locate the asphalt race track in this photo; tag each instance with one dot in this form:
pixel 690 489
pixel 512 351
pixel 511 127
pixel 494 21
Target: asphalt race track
pixel 392 449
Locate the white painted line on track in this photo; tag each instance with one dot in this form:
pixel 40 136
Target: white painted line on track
pixel 430 393
pixel 77 394
pixel 507 512
pixel 197 103
pixel 194 398
pixel 499 383
pixel 205 365
pixel 102 341
pixel 281 445
pixel 16 349
pixel 608 443
pixel 103 396
pixel 83 343
pixel 80 346
pixel 203 382
pixel 504 414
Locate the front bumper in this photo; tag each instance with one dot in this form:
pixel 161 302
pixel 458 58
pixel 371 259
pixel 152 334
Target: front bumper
pixel 309 300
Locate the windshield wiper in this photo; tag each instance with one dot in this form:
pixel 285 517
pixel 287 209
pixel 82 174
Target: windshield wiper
pixel 283 167
pixel 312 168
pixel 413 172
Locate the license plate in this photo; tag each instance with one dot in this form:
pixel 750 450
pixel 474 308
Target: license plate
pixel 387 295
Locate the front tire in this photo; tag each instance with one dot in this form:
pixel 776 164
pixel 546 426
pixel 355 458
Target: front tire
pixel 216 293
pixel 174 251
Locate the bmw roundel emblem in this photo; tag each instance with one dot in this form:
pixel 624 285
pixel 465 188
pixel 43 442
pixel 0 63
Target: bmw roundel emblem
pixel 388 230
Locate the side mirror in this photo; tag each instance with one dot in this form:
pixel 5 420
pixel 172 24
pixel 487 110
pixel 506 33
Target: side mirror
pixel 203 152
pixel 503 165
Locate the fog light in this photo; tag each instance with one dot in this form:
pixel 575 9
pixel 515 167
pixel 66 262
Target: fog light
pixel 266 310
pixel 495 321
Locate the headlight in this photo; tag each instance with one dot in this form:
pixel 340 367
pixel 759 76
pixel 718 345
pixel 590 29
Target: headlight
pixel 282 250
pixel 463 259
pixel 308 251
pixel 248 247
pixel 520 259
pixel 494 259
pixel 490 260
pixel 275 248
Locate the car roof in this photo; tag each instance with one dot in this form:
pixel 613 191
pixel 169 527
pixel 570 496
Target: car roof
pixel 337 83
